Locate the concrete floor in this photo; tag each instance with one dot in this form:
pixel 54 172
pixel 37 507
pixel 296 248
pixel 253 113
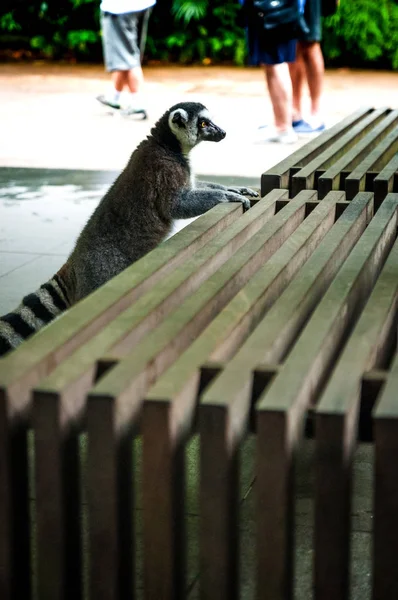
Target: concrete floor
pixel 59 152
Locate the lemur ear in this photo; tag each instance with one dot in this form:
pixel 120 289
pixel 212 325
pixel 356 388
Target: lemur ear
pixel 179 117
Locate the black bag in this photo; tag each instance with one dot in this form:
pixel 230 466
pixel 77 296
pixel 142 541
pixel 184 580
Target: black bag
pixel 272 15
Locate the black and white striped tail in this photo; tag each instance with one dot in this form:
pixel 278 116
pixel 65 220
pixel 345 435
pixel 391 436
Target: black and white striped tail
pixel 35 311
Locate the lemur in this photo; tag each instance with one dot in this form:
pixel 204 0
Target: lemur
pixel 135 215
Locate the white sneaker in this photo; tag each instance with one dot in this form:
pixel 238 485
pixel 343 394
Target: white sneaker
pixel 270 134
pixel 131 111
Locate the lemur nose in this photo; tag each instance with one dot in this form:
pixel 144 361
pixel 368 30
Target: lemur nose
pixel 222 134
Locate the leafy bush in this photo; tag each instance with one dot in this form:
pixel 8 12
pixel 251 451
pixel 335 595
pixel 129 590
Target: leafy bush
pixel 361 33
pixel 55 28
pixel 201 31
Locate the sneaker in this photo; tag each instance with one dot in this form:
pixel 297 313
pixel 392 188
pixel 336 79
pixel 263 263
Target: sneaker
pixel 304 127
pixel 103 99
pixel 134 112
pixel 270 134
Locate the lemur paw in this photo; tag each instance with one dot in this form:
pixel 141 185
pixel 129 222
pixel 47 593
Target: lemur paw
pixel 244 190
pixel 234 197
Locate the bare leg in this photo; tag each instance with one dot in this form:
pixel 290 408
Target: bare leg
pixel 134 79
pixel 314 66
pixel 298 74
pixel 280 91
pixel 119 79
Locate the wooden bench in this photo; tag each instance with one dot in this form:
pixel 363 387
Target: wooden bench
pixel 277 322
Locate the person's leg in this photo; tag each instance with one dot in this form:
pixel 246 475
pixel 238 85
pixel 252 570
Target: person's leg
pixel 119 79
pixel 113 61
pixel 135 76
pixel 280 91
pixel 122 58
pixel 298 75
pixel 275 58
pixel 134 79
pixel 112 97
pixel 311 53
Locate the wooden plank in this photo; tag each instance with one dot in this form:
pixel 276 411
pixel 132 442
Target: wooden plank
pixel 383 183
pixel 40 354
pixel 170 405
pixel 336 426
pixel 279 175
pixel 58 497
pixel 306 178
pixel 23 368
pixel 280 412
pixel 372 383
pixel 356 181
pixel 126 385
pixel 225 405
pixel 331 179
pixel 67 386
pixel 385 545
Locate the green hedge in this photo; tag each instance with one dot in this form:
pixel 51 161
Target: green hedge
pixel 363 33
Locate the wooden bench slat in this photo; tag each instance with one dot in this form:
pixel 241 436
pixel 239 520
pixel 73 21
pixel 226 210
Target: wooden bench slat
pixel 281 410
pixel 385 545
pixel 66 387
pixel 127 383
pixel 225 405
pixel 356 181
pixel 305 178
pixel 169 406
pixel 279 175
pixel 386 181
pixel 336 424
pixel 331 179
pixel 40 354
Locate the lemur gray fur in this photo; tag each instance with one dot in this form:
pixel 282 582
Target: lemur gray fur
pixel 135 215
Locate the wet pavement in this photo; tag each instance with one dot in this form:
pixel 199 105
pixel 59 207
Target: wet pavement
pixel 41 213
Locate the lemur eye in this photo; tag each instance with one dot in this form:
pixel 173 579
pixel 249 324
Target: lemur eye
pixel 203 124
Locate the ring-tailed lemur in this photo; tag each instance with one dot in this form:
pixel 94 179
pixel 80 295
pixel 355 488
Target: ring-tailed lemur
pixel 135 215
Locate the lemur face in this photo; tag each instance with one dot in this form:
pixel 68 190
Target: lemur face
pixel 207 129
pixel 191 124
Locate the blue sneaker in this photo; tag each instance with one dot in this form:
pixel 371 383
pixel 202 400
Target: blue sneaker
pixel 302 126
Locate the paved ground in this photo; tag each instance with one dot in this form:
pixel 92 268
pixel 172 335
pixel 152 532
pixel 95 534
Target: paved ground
pixel 50 119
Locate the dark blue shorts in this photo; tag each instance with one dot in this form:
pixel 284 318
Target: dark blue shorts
pixel 271 51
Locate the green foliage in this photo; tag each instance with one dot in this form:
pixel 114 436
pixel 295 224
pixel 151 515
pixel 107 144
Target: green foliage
pixel 8 23
pixel 365 31
pixel 55 28
pixel 361 33
pixel 189 9
pixel 210 32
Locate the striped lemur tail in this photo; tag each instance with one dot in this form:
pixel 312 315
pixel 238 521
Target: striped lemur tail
pixel 35 311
